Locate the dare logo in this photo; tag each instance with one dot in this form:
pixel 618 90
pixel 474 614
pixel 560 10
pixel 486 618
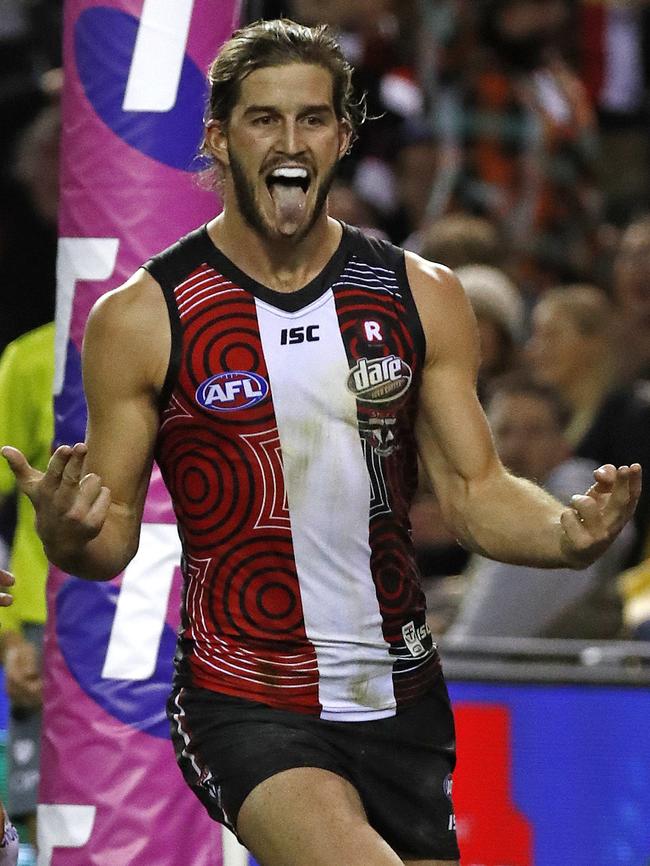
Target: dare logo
pixel 378 380
pixel 491 830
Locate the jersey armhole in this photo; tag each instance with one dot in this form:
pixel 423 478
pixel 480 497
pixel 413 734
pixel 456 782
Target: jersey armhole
pixel 173 364
pixel 169 268
pixel 419 338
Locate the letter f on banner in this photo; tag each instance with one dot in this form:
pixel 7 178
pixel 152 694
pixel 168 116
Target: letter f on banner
pixel 157 62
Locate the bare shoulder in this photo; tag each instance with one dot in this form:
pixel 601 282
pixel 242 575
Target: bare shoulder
pixel 445 312
pixel 137 303
pixel 130 324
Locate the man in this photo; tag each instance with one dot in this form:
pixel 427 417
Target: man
pixel 528 420
pixel 276 378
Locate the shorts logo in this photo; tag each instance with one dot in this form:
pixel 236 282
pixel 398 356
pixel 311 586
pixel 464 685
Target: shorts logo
pixel 235 389
pixel 447 785
pixel 379 380
pixel 414 637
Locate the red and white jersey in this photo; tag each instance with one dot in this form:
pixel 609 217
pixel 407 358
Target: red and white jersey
pixel 286 442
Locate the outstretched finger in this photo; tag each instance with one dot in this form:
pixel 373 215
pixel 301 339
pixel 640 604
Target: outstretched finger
pixel 57 463
pixel 25 474
pixel 624 496
pixel 605 479
pixel 71 474
pixel 64 469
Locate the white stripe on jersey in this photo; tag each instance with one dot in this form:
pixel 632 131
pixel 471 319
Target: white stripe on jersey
pixel 323 462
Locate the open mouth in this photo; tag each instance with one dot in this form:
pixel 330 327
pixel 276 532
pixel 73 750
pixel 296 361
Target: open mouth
pixel 288 187
pixel 288 177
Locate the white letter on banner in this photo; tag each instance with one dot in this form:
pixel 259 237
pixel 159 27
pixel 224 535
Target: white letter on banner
pixel 62 827
pixel 158 55
pixel 77 259
pixel 142 604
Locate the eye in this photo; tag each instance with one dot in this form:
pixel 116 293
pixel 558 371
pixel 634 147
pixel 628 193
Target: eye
pixel 314 120
pixel 263 120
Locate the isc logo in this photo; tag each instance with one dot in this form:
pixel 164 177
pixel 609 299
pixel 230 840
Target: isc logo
pixel 378 380
pixel 415 637
pixel 237 389
pixel 299 335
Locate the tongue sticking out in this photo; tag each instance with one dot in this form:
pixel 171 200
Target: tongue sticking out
pixel 289 201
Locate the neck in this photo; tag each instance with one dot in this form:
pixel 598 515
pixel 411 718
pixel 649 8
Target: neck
pixel 284 265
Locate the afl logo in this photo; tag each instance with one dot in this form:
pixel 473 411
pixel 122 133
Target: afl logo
pixel 380 379
pixel 236 389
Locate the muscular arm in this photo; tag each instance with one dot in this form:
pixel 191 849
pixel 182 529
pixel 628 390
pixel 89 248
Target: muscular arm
pixel 491 511
pixel 90 501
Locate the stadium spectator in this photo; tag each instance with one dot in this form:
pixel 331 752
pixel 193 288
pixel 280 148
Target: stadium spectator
pixel 499 312
pixel 528 421
pixel 572 347
pixel 459 239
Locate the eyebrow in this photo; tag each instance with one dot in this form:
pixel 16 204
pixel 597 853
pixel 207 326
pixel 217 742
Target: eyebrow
pixel 273 109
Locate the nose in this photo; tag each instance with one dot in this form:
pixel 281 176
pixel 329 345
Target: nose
pixel 290 140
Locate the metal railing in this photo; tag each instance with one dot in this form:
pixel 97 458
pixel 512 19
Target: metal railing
pixel 543 660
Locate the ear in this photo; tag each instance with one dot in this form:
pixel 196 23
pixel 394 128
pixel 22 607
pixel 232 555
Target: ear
pixel 345 137
pixel 216 140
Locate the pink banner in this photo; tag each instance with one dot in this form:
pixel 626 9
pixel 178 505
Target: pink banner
pixel 134 97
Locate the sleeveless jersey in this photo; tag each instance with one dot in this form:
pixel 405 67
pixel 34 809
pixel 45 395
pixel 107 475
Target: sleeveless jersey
pixel 286 442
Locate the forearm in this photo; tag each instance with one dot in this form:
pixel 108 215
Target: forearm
pixel 508 519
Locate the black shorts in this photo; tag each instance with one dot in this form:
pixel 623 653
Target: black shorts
pixel 401 766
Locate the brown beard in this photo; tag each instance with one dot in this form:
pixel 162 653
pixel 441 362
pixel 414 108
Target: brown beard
pixel 245 193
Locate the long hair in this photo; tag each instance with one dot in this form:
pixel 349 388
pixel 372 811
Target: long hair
pixel 278 43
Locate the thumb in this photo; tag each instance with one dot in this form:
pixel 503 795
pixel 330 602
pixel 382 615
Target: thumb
pixel 25 474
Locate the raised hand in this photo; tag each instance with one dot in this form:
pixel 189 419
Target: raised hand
pixel 595 518
pixel 70 507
